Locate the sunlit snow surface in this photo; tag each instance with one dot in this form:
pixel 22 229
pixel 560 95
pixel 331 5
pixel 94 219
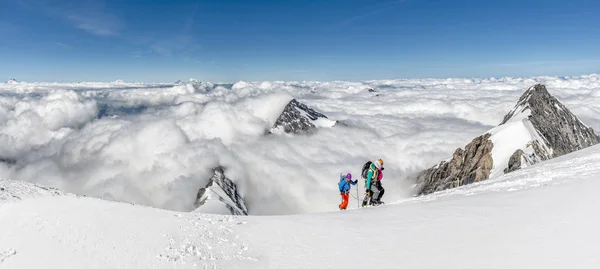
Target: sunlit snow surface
pixel 544 216
pixel 156 144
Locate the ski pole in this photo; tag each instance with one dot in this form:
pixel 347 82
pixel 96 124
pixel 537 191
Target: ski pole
pixel 357 197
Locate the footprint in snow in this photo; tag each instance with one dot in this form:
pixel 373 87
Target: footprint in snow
pixel 5 254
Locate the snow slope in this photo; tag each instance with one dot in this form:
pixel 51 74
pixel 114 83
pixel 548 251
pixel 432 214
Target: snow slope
pixel 508 138
pixel 544 216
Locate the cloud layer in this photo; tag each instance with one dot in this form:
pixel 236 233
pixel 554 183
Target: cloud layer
pixel 156 144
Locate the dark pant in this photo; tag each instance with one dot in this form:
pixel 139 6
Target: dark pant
pixel 377 198
pixel 366 200
pixel 374 194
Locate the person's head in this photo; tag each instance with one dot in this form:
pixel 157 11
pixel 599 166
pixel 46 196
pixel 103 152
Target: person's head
pixel 348 176
pixel 380 161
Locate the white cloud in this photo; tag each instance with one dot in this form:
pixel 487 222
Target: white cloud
pixel 91 16
pixel 29 123
pixel 156 145
pixel 97 24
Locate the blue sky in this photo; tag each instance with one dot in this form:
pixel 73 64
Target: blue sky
pixel 221 40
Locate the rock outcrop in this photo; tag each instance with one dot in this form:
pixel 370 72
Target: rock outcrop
pixel 518 160
pixel 538 128
pixel 8 161
pixel 472 164
pixel 220 196
pixel 12 81
pixel 298 118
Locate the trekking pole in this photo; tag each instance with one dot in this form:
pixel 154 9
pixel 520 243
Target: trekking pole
pixel 357 197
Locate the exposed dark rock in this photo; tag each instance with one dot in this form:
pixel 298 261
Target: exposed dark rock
pixel 521 159
pixel 514 163
pixel 472 164
pixel 372 90
pixel 562 131
pixel 555 131
pixel 8 161
pixel 224 190
pixel 297 118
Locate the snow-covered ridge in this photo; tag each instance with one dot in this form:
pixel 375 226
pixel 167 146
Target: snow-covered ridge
pixel 298 118
pixel 531 218
pixel 538 128
pixel 220 196
pixel 557 130
pixel 13 190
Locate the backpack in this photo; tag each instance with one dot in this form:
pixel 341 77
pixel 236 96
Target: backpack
pixel 365 169
pixel 342 182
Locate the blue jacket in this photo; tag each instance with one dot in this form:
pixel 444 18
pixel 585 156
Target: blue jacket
pixel 345 184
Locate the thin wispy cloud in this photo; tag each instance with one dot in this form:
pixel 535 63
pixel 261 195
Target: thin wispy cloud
pixel 371 13
pixel 182 42
pixel 90 16
pixel 63 45
pixel 100 24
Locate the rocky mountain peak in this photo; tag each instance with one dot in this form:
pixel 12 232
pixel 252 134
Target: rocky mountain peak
pixel 220 196
pixel 12 81
pixel 298 118
pixel 561 131
pixel 538 128
pixel 533 102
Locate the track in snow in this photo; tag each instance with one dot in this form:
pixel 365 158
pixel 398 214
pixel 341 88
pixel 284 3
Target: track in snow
pixel 5 254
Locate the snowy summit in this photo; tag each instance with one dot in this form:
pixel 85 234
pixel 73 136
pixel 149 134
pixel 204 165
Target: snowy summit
pixel 220 196
pixel 537 129
pixel 298 118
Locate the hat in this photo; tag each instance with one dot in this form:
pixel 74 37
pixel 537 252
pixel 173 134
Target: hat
pixel 378 165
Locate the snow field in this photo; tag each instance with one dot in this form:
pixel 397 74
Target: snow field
pixel 544 216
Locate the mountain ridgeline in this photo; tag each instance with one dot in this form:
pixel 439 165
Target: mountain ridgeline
pixel 298 118
pixel 538 128
pixel 221 194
